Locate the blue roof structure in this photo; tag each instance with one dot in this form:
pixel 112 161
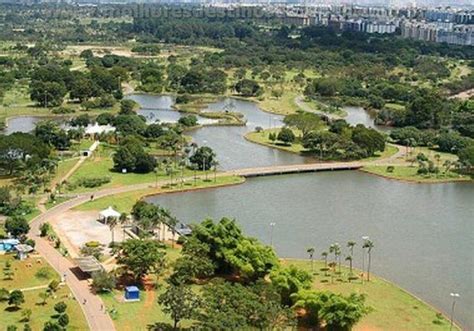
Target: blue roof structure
pixel 132 289
pixel 132 293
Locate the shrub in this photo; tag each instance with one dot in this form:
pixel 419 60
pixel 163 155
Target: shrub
pixel 93 182
pixel 44 273
pixel 103 282
pixel 188 121
pixel 45 228
pixel 183 99
pixel 63 110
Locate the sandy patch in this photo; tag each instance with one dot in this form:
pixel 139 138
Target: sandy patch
pixel 75 228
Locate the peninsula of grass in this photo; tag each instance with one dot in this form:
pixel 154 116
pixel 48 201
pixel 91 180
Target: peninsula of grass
pixel 410 174
pixel 124 202
pixel 262 138
pixel 35 273
pixel 393 308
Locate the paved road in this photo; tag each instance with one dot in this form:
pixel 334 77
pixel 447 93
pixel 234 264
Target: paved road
pixel 96 318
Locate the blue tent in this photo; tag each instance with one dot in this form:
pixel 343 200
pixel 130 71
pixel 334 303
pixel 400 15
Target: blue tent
pixel 7 245
pixel 132 293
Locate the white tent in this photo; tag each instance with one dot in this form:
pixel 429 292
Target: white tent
pixel 96 129
pixel 109 212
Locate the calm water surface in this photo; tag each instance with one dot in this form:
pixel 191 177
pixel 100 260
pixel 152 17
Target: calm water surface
pixel 423 234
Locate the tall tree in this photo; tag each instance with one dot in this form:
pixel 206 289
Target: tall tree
pixel 140 257
pixel 368 244
pixel 180 302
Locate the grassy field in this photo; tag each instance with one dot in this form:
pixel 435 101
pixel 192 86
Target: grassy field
pixel 131 316
pixel 393 308
pixel 409 173
pixel 283 105
pixel 24 277
pixel 101 167
pixel 125 201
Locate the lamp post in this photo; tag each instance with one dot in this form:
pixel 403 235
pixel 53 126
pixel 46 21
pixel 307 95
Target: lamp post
pixel 272 225
pixel 364 238
pixel 454 296
pixel 205 161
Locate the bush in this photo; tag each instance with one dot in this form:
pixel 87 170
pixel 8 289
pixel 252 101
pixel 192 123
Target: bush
pixel 103 282
pixel 45 228
pixel 63 110
pixel 44 273
pixel 188 120
pixel 183 99
pixel 93 182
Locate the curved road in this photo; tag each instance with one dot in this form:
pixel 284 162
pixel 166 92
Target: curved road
pixel 91 304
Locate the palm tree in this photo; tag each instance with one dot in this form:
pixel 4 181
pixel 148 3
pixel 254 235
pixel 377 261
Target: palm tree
pixel 336 249
pixel 369 245
pixel 325 257
pixel 123 220
pixel 310 251
pixel 350 245
pixel 349 258
pixel 112 223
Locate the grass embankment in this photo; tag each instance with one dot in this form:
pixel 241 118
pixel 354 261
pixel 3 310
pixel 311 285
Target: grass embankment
pixel 406 167
pixel 124 202
pixel 410 173
pixel 102 167
pixel 393 308
pixel 24 277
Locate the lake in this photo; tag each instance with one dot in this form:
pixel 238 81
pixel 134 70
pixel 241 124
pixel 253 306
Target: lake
pixel 423 234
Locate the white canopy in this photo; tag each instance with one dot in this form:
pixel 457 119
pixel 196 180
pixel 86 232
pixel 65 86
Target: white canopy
pixel 109 212
pixel 96 128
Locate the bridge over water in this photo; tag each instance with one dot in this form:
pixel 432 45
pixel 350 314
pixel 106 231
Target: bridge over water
pixel 297 168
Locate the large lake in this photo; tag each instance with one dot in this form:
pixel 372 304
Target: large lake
pixel 423 234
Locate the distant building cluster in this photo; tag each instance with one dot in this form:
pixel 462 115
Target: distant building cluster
pixel 435 25
pixel 440 32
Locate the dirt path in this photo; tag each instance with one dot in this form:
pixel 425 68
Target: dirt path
pixel 464 95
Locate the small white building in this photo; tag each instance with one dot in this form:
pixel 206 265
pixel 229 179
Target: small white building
pixel 108 213
pixel 23 250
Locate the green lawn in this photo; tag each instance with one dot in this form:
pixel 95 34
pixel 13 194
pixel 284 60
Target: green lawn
pixel 388 152
pixel 393 308
pixel 409 173
pixel 101 167
pixel 125 201
pixel 131 316
pixel 24 277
